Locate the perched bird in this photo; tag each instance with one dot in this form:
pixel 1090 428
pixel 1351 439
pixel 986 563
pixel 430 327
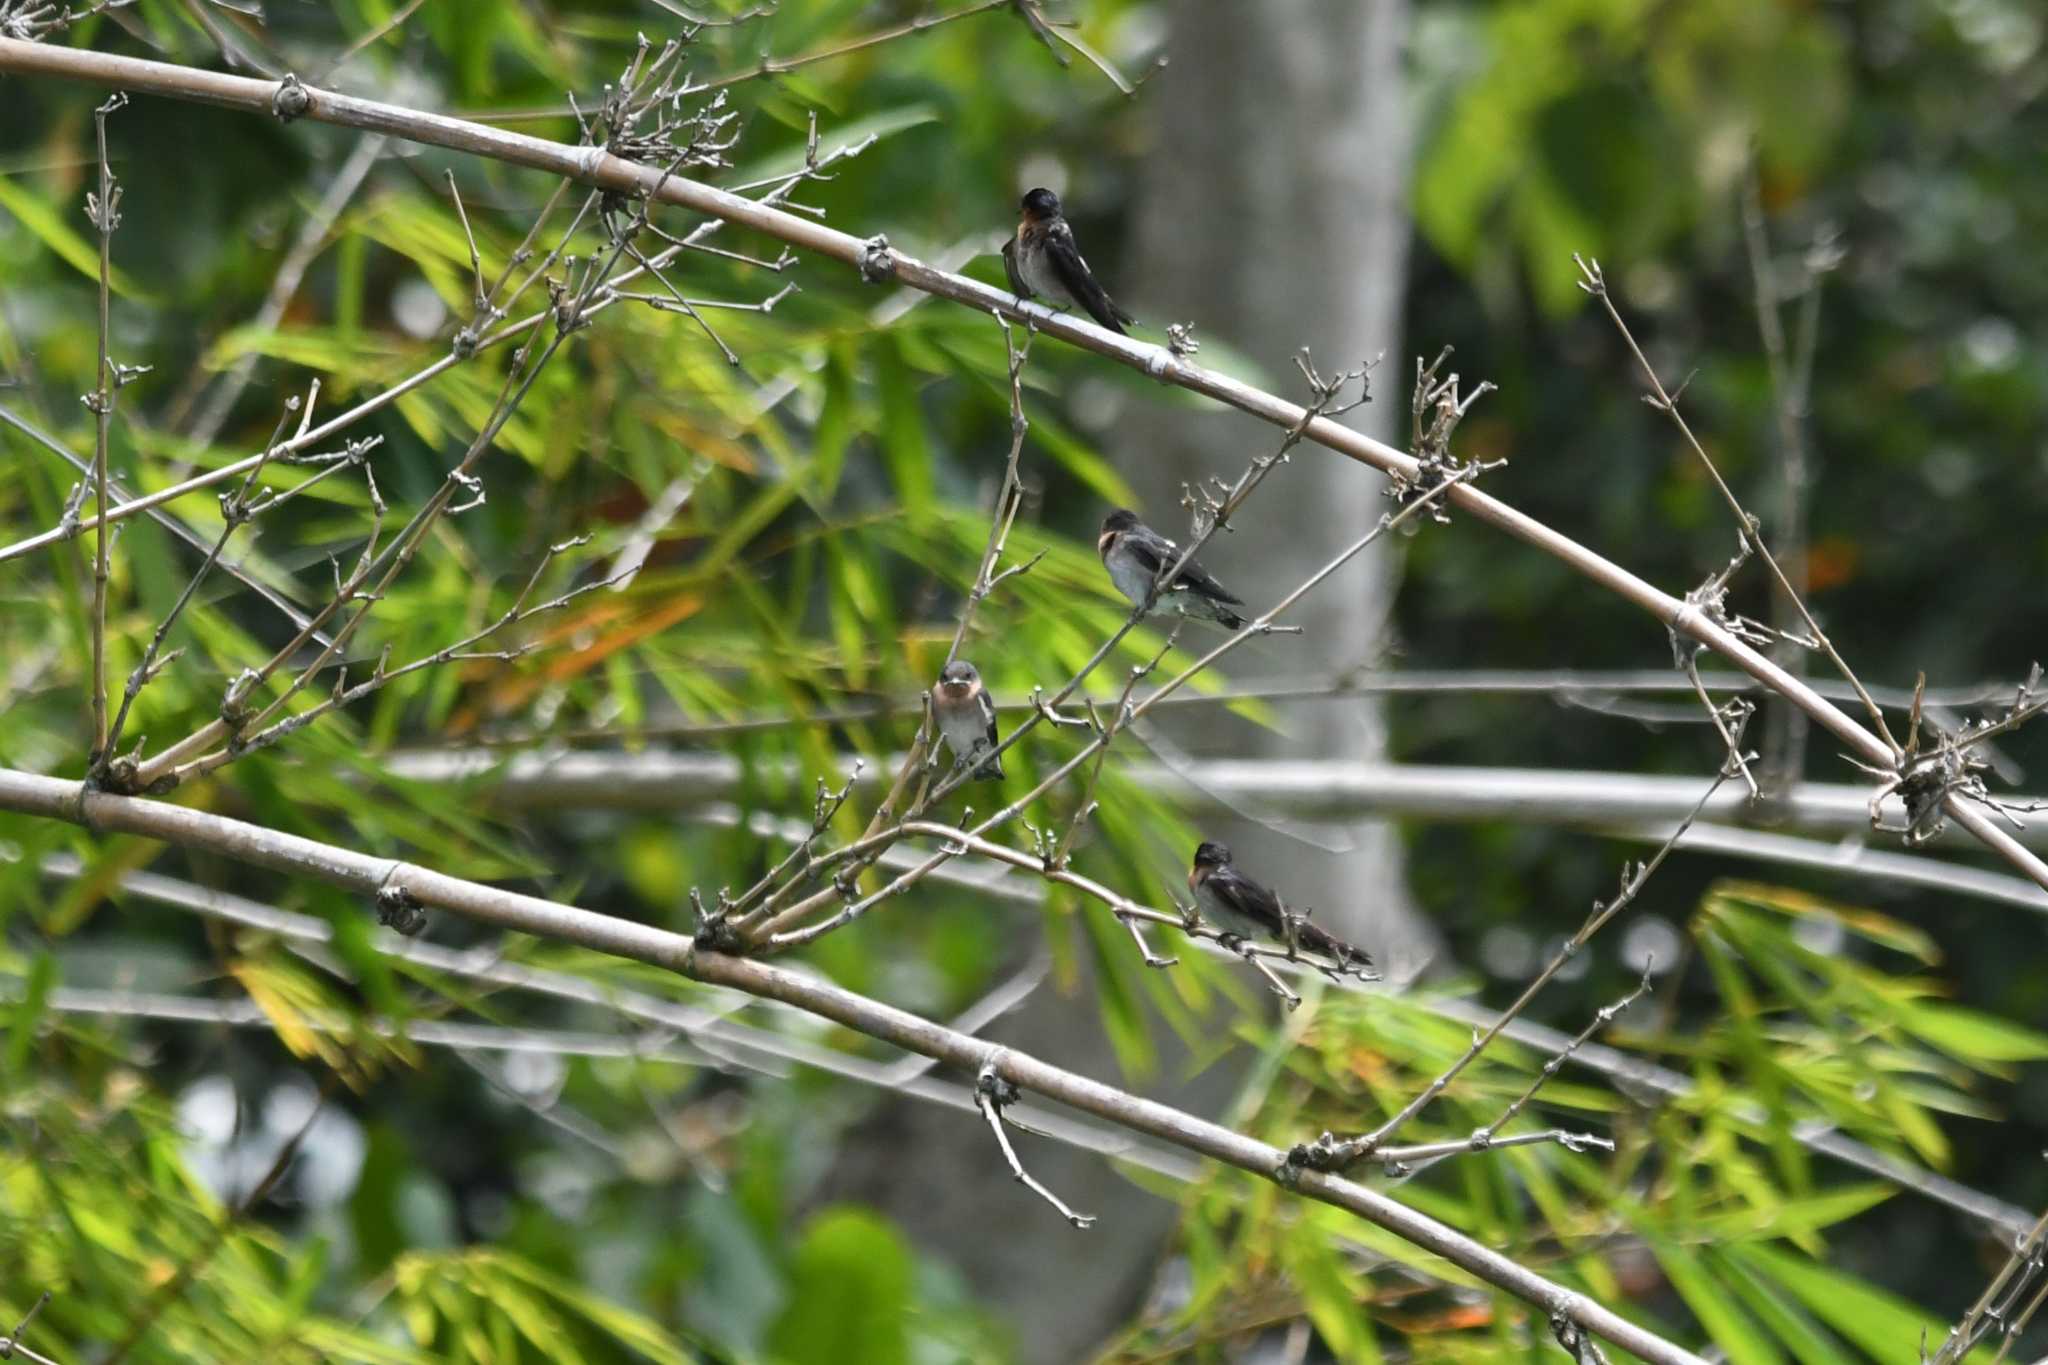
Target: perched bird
pixel 967 718
pixel 1241 909
pixel 1136 555
pixel 1042 260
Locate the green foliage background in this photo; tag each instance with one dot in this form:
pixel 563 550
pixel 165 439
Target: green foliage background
pixel 836 482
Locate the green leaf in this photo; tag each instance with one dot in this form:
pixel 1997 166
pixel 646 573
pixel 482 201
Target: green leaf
pixel 1794 1216
pixel 27 1015
pixel 834 432
pixel 1882 1324
pixel 1731 1328
pixel 48 227
pixel 1328 1293
pixel 904 447
pixel 1868 924
pixel 1805 1338
pixel 849 1293
pixel 1974 1036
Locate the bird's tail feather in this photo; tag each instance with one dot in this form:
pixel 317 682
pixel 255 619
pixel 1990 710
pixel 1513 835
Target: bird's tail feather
pixel 1112 317
pixel 1317 939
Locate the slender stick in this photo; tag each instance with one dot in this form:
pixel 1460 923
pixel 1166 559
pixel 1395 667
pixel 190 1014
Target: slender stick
pixel 105 209
pixel 1595 283
pixel 1329 1153
pixel 776 66
pixel 473 341
pixel 991 1094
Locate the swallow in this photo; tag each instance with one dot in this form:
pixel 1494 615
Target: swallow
pixel 1042 260
pixel 1241 909
pixel 966 716
pixel 1136 555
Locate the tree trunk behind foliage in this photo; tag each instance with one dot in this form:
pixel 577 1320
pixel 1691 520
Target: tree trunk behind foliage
pixel 1270 211
pixel 1272 214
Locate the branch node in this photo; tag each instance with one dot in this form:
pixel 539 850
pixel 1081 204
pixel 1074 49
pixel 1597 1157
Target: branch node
pixel 400 911
pixel 877 262
pixel 290 99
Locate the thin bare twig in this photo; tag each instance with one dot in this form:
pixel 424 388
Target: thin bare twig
pixel 235 511
pixel 1601 1019
pixel 104 208
pixel 1330 1153
pixel 1009 494
pixel 10 1345
pixel 1405 1161
pixel 1595 283
pixel 991 1094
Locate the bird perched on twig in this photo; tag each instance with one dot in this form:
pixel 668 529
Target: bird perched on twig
pixel 966 717
pixel 1136 555
pixel 1042 260
pixel 1241 909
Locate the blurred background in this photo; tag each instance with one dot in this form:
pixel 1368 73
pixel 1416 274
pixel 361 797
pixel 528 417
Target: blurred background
pixel 1825 220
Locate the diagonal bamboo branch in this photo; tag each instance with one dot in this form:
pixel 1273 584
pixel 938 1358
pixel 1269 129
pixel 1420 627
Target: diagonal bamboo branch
pixel 877 261
pixel 57 799
pixel 733 1044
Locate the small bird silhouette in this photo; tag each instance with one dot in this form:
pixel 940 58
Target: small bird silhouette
pixel 1241 909
pixel 1042 260
pixel 967 718
pixel 1136 555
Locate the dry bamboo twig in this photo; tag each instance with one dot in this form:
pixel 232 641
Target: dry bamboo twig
pixel 467 342
pixel 104 208
pixel 1595 284
pixel 1328 1152
pixel 236 510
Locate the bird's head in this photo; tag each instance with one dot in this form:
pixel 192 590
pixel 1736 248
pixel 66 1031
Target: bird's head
pixel 959 676
pixel 1210 854
pixel 1122 519
pixel 1041 204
